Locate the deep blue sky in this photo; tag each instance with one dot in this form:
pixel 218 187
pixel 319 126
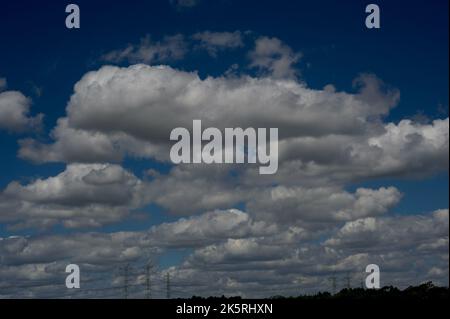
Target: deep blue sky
pixel 409 52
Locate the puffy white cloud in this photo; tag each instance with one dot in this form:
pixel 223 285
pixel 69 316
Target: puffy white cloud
pixel 189 189
pixel 104 248
pixel 429 232
pixel 14 112
pixel 146 103
pixel 328 139
pixel 83 248
pixel 410 147
pixel 322 204
pixel 208 228
pixel 216 41
pixel 84 146
pixel 82 195
pixel 237 250
pixel 405 149
pixel 150 101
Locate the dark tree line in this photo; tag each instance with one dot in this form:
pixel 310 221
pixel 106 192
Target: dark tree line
pixel 426 292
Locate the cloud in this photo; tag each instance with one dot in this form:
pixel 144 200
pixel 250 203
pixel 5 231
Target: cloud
pixel 272 56
pixel 102 248
pixel 241 255
pixel 253 264
pixel 237 250
pixel 83 248
pixel 422 146
pixel 321 204
pixel 83 195
pixel 293 229
pixel 188 190
pixel 14 112
pixel 406 149
pixel 84 146
pixel 164 97
pixel 175 47
pixel 428 232
pixel 146 103
pixel 328 139
pixel 170 48
pixel 214 42
pixel 209 227
pixel 34 267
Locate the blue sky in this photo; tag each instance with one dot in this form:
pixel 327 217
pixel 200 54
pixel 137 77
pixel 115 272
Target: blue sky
pixel 42 59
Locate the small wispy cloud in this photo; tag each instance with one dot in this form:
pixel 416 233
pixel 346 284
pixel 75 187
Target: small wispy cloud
pixel 213 42
pixel 148 51
pixel 271 55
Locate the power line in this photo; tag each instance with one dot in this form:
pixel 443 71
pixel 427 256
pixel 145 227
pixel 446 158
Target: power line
pixel 148 282
pixel 333 283
pixel 125 280
pixel 348 281
pixel 131 285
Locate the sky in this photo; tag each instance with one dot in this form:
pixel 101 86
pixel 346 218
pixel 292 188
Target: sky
pixel 85 119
